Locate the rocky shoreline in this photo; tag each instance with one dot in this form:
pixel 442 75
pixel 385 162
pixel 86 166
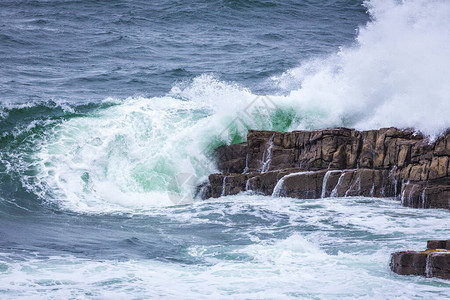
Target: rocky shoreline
pixel 433 262
pixel 339 162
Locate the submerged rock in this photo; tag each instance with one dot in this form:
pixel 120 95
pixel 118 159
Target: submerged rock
pixel 337 162
pixel 433 262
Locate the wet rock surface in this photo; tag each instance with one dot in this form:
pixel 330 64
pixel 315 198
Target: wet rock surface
pixel 337 162
pixel 433 262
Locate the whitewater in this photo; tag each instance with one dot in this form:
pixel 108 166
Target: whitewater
pixel 98 195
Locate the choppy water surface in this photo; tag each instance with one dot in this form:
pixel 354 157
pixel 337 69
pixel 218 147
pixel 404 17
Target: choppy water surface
pixel 104 104
pixel 238 246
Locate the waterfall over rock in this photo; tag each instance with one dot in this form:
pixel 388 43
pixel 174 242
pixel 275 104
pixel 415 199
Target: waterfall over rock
pixel 340 162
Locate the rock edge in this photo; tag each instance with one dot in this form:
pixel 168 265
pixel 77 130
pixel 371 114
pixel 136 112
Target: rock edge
pixel 433 262
pixel 338 162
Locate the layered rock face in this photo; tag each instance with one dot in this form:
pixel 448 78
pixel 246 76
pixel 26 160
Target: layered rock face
pixel 337 162
pixel 433 262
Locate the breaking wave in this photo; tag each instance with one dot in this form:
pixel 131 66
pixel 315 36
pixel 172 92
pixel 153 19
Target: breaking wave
pixel 126 155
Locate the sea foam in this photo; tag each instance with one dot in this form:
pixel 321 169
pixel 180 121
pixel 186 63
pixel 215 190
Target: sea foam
pixel 396 74
pixel 127 155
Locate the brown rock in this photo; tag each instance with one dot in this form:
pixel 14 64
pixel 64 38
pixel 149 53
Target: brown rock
pixel 403 156
pixel 332 178
pixel 379 149
pixel 443 166
pixel 429 263
pixel 434 168
pixel 416 173
pixel 406 173
pixel 439 265
pixel 380 163
pixel 437 195
pixel 438 244
pixel 408 262
pixel 367 149
pixel 343 185
pixel 264 183
pixel 303 185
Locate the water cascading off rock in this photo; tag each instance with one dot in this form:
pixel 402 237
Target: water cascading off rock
pixel 340 162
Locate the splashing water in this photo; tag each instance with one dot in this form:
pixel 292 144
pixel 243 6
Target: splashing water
pixel 124 156
pixel 397 74
pixel 132 161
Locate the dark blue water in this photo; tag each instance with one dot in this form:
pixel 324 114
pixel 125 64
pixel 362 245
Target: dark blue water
pixel 104 103
pixel 82 51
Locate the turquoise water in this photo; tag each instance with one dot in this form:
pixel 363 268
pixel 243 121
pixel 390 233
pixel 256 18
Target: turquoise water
pixel 110 111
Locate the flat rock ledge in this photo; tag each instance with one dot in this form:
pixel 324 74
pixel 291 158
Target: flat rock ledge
pixel 433 262
pixel 339 162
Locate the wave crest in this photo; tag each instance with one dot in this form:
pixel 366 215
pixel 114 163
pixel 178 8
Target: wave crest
pixel 125 156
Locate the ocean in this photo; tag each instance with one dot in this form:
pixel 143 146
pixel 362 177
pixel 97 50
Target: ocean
pixel 110 112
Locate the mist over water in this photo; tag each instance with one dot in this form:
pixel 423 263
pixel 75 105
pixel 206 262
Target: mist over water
pixel 397 74
pixel 92 137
